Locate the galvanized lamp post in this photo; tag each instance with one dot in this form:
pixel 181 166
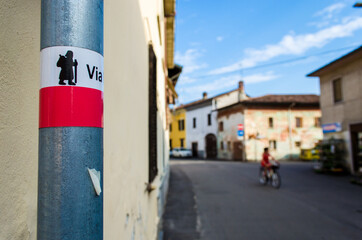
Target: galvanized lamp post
pixel 70 201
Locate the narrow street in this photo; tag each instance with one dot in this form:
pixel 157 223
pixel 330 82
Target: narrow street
pixel 224 201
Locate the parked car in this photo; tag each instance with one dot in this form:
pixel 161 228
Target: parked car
pixel 309 154
pixel 180 152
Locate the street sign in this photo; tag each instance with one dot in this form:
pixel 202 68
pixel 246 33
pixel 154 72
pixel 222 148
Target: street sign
pixel 240 130
pixel 71 87
pixel 331 127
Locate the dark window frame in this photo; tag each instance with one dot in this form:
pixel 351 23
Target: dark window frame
pixel 209 119
pixel 273 144
pixel 298 122
pixel 337 90
pixel 181 124
pixel 194 122
pixel 221 126
pixel 271 122
pixel 317 122
pixel 152 115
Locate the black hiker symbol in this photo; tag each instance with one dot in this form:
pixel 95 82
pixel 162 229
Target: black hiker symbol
pixel 66 63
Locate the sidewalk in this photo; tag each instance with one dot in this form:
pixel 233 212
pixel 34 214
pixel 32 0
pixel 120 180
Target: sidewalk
pixel 180 217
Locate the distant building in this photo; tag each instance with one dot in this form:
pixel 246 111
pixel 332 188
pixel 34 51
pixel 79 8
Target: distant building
pixel 177 128
pixel 201 128
pixel 284 123
pixel 341 104
pixel 229 98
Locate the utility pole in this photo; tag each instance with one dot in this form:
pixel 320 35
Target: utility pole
pixel 290 130
pixel 70 197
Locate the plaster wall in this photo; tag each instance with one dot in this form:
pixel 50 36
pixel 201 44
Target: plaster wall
pixel 202 129
pixel 229 134
pixel 130 212
pixel 229 99
pixel 226 100
pixel 19 86
pixel 349 110
pixel 258 133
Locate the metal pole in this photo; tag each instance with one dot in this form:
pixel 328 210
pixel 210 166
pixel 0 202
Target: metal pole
pixel 290 130
pixel 71 121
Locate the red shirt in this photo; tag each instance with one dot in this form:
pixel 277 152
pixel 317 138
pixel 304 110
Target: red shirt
pixel 265 162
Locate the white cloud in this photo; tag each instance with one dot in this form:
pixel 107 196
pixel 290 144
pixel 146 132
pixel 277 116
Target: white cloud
pixel 220 38
pixel 189 60
pixel 292 44
pixel 328 12
pixel 214 85
pixel 260 77
pixel 228 82
pixel 328 15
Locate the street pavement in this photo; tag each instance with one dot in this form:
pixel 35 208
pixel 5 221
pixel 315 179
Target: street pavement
pixel 214 200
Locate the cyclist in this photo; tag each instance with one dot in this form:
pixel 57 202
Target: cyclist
pixel 265 163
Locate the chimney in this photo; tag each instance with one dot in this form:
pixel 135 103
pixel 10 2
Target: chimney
pixel 241 86
pixel 204 95
pixel 241 94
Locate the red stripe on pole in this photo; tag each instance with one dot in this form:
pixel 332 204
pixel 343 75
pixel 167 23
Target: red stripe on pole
pixel 70 107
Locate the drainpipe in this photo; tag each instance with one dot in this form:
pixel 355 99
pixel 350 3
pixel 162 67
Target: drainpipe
pixel 70 180
pixel 290 130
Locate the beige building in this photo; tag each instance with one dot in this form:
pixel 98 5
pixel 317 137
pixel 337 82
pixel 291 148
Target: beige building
pixel 230 97
pixel 133 31
pixel 341 104
pixel 284 123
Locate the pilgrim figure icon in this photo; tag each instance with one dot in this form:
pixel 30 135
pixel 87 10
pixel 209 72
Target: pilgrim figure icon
pixel 66 73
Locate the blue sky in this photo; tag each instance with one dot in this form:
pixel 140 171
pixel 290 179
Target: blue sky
pixel 222 42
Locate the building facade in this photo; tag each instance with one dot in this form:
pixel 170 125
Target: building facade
pixel 230 144
pixel 341 104
pixel 178 129
pixel 284 123
pixel 138 53
pixel 229 98
pixel 201 128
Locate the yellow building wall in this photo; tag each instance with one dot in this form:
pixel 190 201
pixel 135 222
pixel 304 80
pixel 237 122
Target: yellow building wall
pixel 176 135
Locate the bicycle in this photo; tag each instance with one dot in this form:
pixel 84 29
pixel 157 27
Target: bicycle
pixel 271 175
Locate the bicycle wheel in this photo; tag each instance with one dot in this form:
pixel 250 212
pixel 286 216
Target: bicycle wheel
pixel 262 177
pixel 276 181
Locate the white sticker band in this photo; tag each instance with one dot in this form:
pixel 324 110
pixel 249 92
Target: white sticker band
pixel 71 66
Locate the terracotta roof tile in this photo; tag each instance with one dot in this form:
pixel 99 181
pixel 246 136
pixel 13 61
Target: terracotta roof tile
pixel 309 99
pixel 194 103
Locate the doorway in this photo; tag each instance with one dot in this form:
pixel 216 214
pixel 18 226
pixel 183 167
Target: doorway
pixel 194 150
pixel 356 140
pixel 211 151
pixel 238 151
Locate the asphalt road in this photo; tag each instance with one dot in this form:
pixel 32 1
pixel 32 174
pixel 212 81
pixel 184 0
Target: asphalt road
pixel 224 201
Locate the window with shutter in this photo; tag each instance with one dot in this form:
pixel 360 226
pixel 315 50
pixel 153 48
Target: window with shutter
pixel 152 115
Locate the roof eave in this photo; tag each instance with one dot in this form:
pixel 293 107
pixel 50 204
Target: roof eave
pixel 170 12
pixel 355 54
